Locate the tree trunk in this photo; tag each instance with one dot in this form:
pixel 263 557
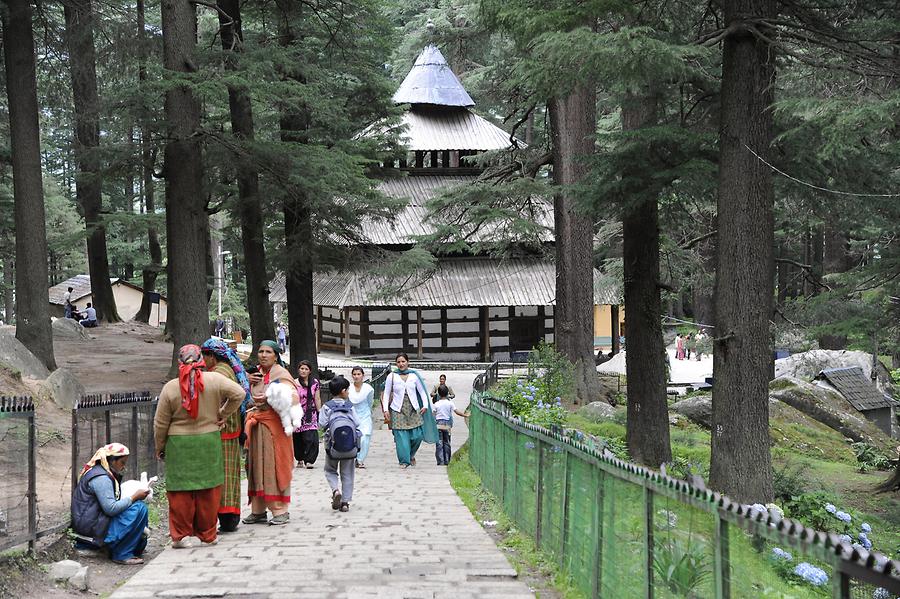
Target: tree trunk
pixel 741 463
pixel 837 250
pixel 249 211
pixel 573 121
pixel 186 218
pixel 32 308
pixel 647 430
pixel 300 260
pixel 89 180
pixel 9 303
pixel 148 159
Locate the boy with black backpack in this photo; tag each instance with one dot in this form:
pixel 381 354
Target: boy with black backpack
pixel 341 443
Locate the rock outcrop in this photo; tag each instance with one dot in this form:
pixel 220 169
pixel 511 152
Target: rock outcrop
pixel 16 356
pixel 831 409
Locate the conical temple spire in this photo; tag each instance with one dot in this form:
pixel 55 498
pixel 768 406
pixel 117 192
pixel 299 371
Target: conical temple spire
pixel 431 81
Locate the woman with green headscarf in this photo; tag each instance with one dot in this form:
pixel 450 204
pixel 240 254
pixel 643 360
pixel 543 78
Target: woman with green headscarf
pixel 270 456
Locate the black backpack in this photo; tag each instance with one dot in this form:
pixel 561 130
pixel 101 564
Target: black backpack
pixel 342 436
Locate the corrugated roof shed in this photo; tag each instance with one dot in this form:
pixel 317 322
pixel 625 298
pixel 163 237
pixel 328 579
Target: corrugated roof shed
pixel 463 282
pixel 431 81
pixel 852 383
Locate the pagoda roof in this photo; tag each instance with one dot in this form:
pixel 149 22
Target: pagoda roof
pixel 431 81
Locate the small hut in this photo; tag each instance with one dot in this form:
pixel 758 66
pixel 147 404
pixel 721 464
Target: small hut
pixel 862 394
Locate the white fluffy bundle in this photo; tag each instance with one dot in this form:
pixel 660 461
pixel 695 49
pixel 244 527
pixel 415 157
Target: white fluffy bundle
pixel 129 487
pixel 278 395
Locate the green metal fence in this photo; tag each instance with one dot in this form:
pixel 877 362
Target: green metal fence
pixel 622 531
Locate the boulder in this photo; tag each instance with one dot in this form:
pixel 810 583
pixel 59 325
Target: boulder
pixel 806 365
pixel 81 579
pixel 16 356
pixel 68 328
pixel 697 409
pixel 597 411
pixel 831 409
pixel 63 570
pixel 62 388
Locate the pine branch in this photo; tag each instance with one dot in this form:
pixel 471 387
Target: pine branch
pixel 692 242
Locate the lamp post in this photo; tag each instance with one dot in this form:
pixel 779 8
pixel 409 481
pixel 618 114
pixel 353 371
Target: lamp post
pixel 221 268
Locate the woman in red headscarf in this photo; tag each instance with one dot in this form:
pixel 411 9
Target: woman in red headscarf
pixel 191 410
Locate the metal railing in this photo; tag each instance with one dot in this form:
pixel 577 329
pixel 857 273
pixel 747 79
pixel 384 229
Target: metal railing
pixel 487 379
pixel 18 461
pixel 621 530
pixel 125 418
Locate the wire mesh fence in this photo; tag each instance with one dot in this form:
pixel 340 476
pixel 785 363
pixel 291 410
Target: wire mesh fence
pixel 620 530
pixel 125 418
pixel 18 502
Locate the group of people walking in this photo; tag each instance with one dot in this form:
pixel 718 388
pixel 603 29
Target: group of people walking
pixel 690 343
pixel 216 411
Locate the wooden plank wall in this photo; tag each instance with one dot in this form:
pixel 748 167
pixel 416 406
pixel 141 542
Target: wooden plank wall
pixel 446 330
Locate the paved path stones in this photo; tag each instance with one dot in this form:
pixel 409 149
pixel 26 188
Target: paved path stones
pixel 406 536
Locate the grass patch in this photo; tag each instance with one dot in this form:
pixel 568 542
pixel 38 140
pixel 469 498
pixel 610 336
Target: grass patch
pixel 520 549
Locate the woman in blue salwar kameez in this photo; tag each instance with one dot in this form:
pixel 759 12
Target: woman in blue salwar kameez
pixel 101 517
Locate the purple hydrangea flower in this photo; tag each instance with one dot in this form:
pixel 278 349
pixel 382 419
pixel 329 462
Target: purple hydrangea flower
pixel 829 507
pixel 864 541
pixel 865 527
pixel 811 574
pixel 846 538
pixel 780 553
pixel 881 593
pixel 843 517
pixel 529 445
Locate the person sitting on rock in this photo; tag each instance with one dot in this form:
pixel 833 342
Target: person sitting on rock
pixel 101 517
pixel 90 317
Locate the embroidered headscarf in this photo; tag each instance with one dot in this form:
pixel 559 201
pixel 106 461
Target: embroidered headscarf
pixel 190 378
pixel 275 348
pixel 101 457
pixel 221 351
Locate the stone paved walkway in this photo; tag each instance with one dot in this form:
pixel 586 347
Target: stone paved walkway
pixel 406 536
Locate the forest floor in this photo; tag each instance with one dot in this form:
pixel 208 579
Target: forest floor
pixel 126 356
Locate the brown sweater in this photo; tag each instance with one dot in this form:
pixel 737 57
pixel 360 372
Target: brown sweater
pixel 219 399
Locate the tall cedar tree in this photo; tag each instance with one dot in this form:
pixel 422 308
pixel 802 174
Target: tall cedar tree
pixel 32 309
pixel 249 210
pixel 647 430
pixel 79 16
pixel 741 463
pixel 299 263
pixel 187 222
pixel 151 271
pixel 573 119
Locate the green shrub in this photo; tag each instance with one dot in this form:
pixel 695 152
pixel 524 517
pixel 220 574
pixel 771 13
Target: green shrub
pixel 790 481
pixel 870 458
pixel 809 508
pixel 684 568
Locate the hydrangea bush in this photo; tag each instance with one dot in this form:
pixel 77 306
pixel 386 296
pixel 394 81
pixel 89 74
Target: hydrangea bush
pixel 538 396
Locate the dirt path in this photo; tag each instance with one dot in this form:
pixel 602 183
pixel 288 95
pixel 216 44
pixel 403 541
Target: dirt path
pixel 128 356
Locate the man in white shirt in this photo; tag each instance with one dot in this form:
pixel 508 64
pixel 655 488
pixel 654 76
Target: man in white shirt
pixel 90 319
pixel 67 303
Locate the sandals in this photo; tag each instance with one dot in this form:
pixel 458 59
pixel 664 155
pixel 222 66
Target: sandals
pixel 345 507
pixel 412 462
pixel 256 519
pixel 132 561
pixel 360 465
pixel 182 543
pixel 336 499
